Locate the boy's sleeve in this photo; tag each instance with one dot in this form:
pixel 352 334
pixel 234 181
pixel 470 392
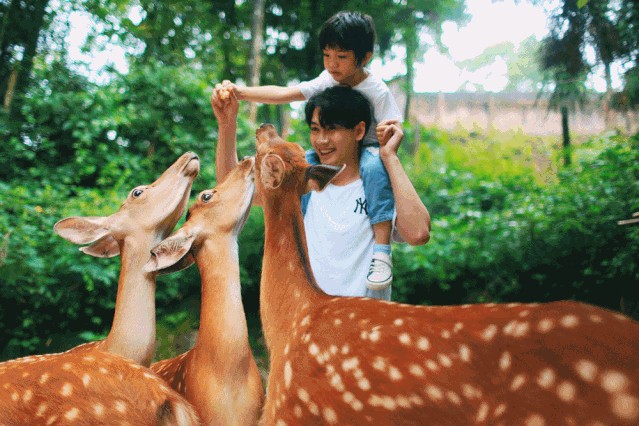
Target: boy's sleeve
pixel 319 83
pixel 387 109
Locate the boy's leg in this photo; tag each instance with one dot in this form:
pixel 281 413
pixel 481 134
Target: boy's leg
pixel 380 204
pixel 382 230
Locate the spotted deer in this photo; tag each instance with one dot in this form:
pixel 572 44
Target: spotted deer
pixel 340 360
pixel 103 382
pixel 218 375
pixel 87 388
pixel 148 215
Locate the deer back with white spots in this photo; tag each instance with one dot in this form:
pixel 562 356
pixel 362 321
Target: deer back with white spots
pixel 337 360
pixel 218 375
pixel 148 215
pixel 87 388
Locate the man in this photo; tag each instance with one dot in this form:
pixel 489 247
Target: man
pixel 339 234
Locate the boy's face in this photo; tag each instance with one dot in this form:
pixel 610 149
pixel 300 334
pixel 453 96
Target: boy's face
pixel 336 145
pixel 342 65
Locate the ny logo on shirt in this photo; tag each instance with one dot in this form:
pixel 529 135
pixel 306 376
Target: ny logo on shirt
pixel 361 205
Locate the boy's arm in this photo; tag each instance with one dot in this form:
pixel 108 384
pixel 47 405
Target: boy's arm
pixel 265 94
pixel 225 108
pixel 413 219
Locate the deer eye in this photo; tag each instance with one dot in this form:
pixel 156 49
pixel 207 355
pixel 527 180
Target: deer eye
pixel 206 197
pixel 137 192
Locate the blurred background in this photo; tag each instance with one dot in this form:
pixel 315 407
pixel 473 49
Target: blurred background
pixel 521 139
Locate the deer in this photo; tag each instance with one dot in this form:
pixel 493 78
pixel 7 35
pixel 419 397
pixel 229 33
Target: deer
pixel 218 375
pixel 105 381
pixel 350 360
pixel 147 216
pixel 90 388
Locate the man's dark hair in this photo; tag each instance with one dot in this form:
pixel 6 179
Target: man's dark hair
pixel 349 31
pixel 340 106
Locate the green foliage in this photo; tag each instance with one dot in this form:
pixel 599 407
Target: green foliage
pixel 49 289
pixel 609 28
pixel 523 70
pixel 510 238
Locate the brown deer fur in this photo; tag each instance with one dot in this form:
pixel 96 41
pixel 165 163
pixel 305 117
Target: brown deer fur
pixel 338 360
pixel 219 375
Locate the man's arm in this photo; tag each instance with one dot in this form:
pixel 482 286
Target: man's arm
pixel 265 94
pixel 225 108
pixel 413 219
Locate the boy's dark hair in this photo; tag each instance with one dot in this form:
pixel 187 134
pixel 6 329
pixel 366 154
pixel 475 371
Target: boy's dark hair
pixel 349 31
pixel 339 106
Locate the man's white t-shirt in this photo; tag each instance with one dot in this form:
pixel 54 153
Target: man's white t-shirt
pixel 373 88
pixel 340 238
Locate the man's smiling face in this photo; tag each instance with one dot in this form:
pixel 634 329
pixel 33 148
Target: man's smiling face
pixel 334 144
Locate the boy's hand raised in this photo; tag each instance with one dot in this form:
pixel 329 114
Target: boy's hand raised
pixel 230 87
pixel 224 103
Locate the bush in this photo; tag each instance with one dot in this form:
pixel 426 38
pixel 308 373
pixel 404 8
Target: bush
pixel 507 238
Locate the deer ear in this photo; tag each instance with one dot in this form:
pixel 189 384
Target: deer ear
pixel 272 172
pixel 318 176
pixel 181 264
pixel 172 254
pixel 82 230
pixel 106 246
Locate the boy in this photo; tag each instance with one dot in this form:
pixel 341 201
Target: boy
pixel 347 41
pixel 339 236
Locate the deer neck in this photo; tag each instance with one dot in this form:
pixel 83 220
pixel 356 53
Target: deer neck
pixel 132 334
pixel 287 285
pixel 223 333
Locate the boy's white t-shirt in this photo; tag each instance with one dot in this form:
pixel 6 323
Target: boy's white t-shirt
pixel 340 238
pixel 373 88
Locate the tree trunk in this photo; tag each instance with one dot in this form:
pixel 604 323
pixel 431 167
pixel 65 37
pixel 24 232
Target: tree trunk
pixel 313 55
pixel 150 51
pixel 255 56
pixel 607 98
pixel 409 87
pixel 37 10
pixel 10 87
pixel 8 37
pixel 412 45
pixel 566 135
pixel 21 26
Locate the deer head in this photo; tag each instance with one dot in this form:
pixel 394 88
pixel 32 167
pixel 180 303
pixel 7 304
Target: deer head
pixel 144 219
pixel 154 208
pixel 218 211
pixel 279 163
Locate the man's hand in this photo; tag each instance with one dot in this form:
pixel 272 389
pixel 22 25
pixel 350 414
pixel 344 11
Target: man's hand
pixel 224 103
pixel 390 136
